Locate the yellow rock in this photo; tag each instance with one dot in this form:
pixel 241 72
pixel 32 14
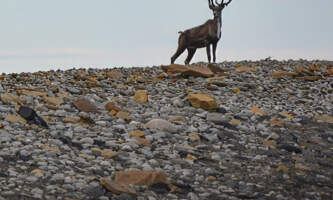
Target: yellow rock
pixel 123 115
pixel 15 118
pixel 50 148
pixel 204 101
pixel 177 119
pixel 325 118
pixel 236 90
pixel 194 136
pixel 108 153
pixel 70 120
pixel 244 69
pixel 86 156
pixel 54 100
pixel 191 157
pixel 286 115
pixel 258 111
pixel 37 172
pixel 7 98
pixel 235 122
pixel 141 96
pixel 137 133
pixel 33 93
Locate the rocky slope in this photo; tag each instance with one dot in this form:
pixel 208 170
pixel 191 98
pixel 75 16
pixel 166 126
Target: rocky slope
pixel 255 130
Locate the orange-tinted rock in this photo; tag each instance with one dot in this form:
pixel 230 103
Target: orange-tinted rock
pixel 137 133
pixel 258 111
pixel 10 98
pixel 143 141
pixel 188 70
pixel 141 177
pixel 15 118
pixel 49 148
pixel 174 68
pixel 177 119
pixel 85 105
pixel 204 101
pixel 115 75
pixel 244 69
pixel 141 96
pixel 111 106
pixel 124 115
pixel 116 187
pixel 215 69
pixel 197 71
pixel 33 93
pixel 53 100
pixel 71 120
pixel 325 118
pixel 281 74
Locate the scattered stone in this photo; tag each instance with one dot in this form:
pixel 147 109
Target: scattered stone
pixel 258 111
pixel 53 100
pixel 137 133
pixel 124 115
pixel 141 177
pixel 10 98
pixel 141 96
pixel 111 106
pixel 117 187
pixel 241 69
pixel 84 105
pixel 325 118
pixel 162 125
pixel 15 118
pixel 203 101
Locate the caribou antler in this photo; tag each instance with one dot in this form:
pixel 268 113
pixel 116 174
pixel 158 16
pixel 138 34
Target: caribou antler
pixel 218 5
pixel 211 4
pixel 226 4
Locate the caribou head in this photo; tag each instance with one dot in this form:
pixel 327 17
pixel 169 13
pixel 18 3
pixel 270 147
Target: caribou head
pixel 201 36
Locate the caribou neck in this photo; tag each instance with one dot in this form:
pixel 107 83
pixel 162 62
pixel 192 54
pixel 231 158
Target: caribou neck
pixel 218 22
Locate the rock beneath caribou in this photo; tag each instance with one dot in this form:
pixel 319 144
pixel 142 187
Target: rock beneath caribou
pixel 84 105
pixel 203 101
pixel 162 125
pixel 195 71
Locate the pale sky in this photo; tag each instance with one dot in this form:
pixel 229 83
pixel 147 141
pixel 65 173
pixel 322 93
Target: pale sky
pixel 62 34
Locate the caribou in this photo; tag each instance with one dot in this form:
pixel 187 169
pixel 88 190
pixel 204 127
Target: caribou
pixel 202 36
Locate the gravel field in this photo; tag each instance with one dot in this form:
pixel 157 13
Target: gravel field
pixel 233 130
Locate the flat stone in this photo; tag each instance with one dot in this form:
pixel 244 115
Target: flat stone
pixel 203 101
pixel 15 118
pixel 84 105
pixel 141 96
pixel 53 100
pixel 141 177
pixel 162 125
pixel 117 187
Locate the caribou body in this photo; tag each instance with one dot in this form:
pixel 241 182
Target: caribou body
pixel 202 36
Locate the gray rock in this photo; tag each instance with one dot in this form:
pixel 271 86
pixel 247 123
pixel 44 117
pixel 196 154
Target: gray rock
pixel 162 125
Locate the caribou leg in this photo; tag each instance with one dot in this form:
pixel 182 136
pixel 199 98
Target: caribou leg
pixel 214 52
pixel 179 51
pixel 191 52
pixel 208 53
